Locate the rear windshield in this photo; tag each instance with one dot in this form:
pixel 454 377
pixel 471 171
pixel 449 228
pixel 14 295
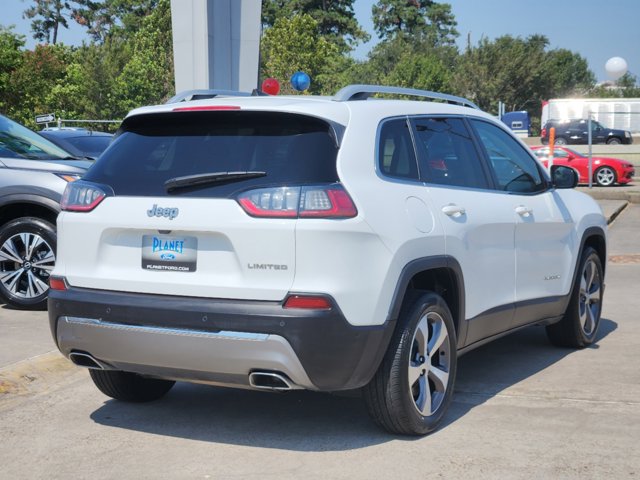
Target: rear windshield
pixel 151 149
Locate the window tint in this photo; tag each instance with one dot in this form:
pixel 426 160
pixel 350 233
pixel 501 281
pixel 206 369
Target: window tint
pixel 544 153
pixel 151 149
pixel 514 169
pixel 396 155
pixel 447 153
pixel 90 144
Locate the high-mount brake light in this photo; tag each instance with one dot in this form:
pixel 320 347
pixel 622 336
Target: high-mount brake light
pixel 307 302
pixel 81 197
pixel 206 108
pixel 323 201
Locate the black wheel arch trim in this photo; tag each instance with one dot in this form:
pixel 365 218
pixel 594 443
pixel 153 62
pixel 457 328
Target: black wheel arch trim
pixel 52 203
pixel 424 264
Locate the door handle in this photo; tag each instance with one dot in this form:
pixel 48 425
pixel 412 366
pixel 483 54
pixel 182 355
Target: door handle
pixel 453 210
pixel 523 211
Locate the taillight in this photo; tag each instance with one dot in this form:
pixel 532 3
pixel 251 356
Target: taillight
pixel 307 302
pixel 326 201
pixel 543 133
pixel 81 197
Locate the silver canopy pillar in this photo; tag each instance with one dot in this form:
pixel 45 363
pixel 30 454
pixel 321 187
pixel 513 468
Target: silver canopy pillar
pixel 216 44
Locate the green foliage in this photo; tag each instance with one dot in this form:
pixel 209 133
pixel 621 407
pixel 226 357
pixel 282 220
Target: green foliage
pixel 109 18
pixel 520 72
pixel 567 72
pixel 626 87
pixel 11 45
pixel 335 18
pixel 96 81
pixel 427 18
pixel 31 82
pixel 148 77
pixel 129 63
pixel 294 44
pixel 423 71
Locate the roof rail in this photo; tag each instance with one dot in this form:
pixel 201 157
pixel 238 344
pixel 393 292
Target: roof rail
pixel 363 92
pixel 202 94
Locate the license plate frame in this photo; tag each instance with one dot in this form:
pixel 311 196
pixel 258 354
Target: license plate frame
pixel 169 253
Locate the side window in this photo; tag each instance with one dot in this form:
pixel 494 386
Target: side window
pixel 447 153
pixel 514 169
pixel 396 156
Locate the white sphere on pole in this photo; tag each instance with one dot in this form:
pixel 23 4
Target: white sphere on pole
pixel 616 67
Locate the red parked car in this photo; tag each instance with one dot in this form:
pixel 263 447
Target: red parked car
pixel 606 171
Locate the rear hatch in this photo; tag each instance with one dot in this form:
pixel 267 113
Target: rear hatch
pixel 198 203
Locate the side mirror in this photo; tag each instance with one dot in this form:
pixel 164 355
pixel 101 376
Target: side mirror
pixel 563 177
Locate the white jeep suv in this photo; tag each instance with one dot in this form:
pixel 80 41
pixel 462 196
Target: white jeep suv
pixel 327 244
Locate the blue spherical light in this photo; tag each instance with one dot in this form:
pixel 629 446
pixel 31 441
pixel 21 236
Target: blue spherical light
pixel 300 81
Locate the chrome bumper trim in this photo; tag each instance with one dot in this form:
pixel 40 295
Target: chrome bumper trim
pixel 225 357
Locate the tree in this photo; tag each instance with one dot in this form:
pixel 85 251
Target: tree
pixel 422 71
pixel 107 18
pixel 11 53
pixel 48 16
pixel 335 18
pixel 415 17
pixel 39 71
pixel 147 77
pixel 520 72
pixel 294 44
pixel 567 72
pixel 386 56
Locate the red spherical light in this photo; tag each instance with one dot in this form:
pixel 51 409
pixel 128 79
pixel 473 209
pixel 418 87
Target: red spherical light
pixel 270 86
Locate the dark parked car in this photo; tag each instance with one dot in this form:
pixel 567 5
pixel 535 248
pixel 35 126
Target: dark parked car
pixel 33 174
pixel 80 142
pixel 576 132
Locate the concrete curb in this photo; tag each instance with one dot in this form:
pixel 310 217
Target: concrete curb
pixel 616 212
pixel 631 197
pixel 33 375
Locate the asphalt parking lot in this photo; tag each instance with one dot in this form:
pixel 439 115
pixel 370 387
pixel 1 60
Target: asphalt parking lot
pixel 522 409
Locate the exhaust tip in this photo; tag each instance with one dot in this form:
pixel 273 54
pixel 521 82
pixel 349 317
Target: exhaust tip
pixel 87 361
pixel 270 381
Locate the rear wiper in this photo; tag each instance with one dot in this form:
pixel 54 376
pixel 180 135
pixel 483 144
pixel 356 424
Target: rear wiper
pixel 206 179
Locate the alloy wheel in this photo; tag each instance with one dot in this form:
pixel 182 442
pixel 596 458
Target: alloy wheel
pixel 26 261
pixel 589 297
pixel 429 364
pixel 605 176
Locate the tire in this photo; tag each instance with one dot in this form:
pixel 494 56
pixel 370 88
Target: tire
pixel 27 257
pixel 614 141
pixel 412 389
pixel 129 387
pixel 579 326
pixel 561 141
pixel 605 176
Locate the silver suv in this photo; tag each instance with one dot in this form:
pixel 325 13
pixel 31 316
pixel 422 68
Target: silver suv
pixel 328 244
pixel 33 174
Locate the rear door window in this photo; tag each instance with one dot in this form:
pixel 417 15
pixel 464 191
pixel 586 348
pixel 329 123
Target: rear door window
pixel 447 155
pixel 151 149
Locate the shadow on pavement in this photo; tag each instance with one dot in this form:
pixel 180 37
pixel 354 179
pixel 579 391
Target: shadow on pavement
pixel 315 422
pixel 490 369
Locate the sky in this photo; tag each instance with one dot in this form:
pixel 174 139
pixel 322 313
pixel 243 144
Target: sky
pixel 596 29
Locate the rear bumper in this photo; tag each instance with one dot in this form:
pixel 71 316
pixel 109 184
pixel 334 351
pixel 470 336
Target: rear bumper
pixel 218 341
